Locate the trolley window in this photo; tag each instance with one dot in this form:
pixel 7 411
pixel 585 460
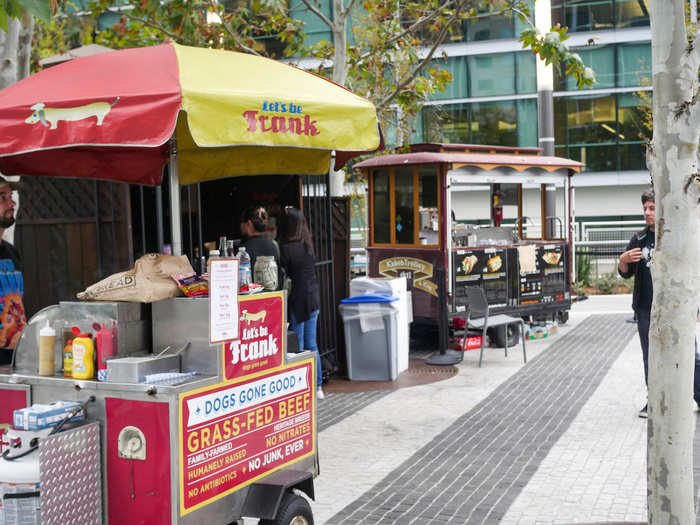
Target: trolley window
pixel 381 208
pixel 405 206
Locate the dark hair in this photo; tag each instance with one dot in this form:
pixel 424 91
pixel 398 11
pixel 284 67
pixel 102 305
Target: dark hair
pixel 257 215
pixel 293 227
pixel 647 196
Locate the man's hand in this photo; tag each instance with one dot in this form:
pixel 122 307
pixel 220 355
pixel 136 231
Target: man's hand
pixel 631 256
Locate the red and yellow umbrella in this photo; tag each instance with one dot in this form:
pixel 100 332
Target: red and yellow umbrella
pixel 112 116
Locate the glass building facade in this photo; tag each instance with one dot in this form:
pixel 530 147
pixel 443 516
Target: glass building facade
pixel 493 100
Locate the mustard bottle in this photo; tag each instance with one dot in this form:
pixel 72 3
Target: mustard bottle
pixel 83 357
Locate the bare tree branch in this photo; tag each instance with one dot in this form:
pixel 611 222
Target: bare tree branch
pixel 411 77
pixel 152 25
pixel 349 7
pixel 417 25
pixel 315 10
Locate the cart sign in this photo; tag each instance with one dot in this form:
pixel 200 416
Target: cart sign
pixel 261 344
pixel 223 300
pixel 231 435
pixel 417 270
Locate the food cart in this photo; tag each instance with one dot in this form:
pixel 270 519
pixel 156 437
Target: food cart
pixel 204 416
pixel 481 213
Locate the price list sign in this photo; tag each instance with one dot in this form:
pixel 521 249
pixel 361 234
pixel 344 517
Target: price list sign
pixel 223 300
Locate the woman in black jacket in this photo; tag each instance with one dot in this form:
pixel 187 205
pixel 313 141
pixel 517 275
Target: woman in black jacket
pixel 298 260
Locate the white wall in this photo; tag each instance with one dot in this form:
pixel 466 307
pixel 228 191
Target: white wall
pixel 589 201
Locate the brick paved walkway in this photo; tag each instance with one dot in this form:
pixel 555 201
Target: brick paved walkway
pixel 473 471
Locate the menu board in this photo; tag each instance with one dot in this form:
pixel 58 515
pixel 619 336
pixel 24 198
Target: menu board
pixel 233 434
pixel 530 290
pixel 552 260
pixel 223 300
pixel 486 268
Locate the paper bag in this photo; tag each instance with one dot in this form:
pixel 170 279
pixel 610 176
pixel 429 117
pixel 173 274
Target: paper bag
pixel 148 281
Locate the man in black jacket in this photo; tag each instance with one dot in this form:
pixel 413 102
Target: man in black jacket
pixel 636 261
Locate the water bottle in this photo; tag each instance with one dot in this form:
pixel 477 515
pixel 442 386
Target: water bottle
pixel 244 276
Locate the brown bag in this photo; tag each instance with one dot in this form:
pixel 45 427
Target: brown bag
pixel 148 281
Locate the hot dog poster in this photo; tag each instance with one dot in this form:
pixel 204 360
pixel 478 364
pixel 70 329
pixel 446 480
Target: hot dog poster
pixel 233 434
pixel 260 347
pixel 473 265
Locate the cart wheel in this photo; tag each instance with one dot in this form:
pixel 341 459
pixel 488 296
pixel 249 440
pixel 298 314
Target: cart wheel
pixel 562 317
pixel 294 510
pixel 498 335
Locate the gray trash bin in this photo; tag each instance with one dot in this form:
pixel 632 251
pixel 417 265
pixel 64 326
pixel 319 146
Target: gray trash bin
pixel 370 337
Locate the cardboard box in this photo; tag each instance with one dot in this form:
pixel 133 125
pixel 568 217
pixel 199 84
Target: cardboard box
pixel 37 417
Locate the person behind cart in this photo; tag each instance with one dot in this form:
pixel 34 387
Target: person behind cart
pixel 298 261
pixel 253 226
pixel 636 261
pixel 12 318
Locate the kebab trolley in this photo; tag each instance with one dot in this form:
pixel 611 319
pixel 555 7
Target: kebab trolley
pixel 485 213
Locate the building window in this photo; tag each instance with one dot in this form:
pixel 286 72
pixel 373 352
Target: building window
pixel 601 59
pixel 458 88
pixel 505 123
pixel 634 65
pixel 605 132
pixel 620 65
pixel 489 28
pixel 491 75
pixel 594 15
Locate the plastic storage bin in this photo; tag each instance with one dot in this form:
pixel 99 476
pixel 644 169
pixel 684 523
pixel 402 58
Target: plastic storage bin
pixel 370 337
pixel 404 316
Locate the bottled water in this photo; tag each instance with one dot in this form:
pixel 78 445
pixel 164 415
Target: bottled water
pixel 244 273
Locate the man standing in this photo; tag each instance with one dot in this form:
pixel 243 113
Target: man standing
pixel 636 261
pixel 12 320
pixel 7 219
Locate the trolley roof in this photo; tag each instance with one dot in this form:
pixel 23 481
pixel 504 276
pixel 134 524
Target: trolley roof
pixel 481 156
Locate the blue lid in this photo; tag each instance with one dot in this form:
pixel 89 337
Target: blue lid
pixel 370 298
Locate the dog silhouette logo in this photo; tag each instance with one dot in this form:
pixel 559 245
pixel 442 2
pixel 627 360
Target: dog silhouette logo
pixel 50 117
pixel 249 317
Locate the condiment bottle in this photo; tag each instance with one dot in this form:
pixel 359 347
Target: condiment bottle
pixel 83 357
pixel 68 354
pixel 104 340
pixel 47 338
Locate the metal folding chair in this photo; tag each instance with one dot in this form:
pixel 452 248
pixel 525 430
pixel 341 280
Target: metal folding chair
pixel 478 318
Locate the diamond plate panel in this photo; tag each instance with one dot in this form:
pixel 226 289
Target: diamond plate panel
pixel 71 477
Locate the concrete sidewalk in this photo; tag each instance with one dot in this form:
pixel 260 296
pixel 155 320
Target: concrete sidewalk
pixel 556 441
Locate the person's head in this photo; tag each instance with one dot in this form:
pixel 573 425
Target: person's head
pixel 253 221
pixel 7 203
pixel 293 227
pixel 649 208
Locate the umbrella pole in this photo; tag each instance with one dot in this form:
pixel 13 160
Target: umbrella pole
pixel 175 213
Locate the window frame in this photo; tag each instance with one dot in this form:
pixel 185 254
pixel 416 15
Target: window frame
pixel 416 212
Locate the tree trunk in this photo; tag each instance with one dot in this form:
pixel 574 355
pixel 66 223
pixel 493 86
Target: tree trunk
pixel 340 42
pixel 16 50
pixel 672 162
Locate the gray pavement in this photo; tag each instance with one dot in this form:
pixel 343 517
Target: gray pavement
pixel 555 441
